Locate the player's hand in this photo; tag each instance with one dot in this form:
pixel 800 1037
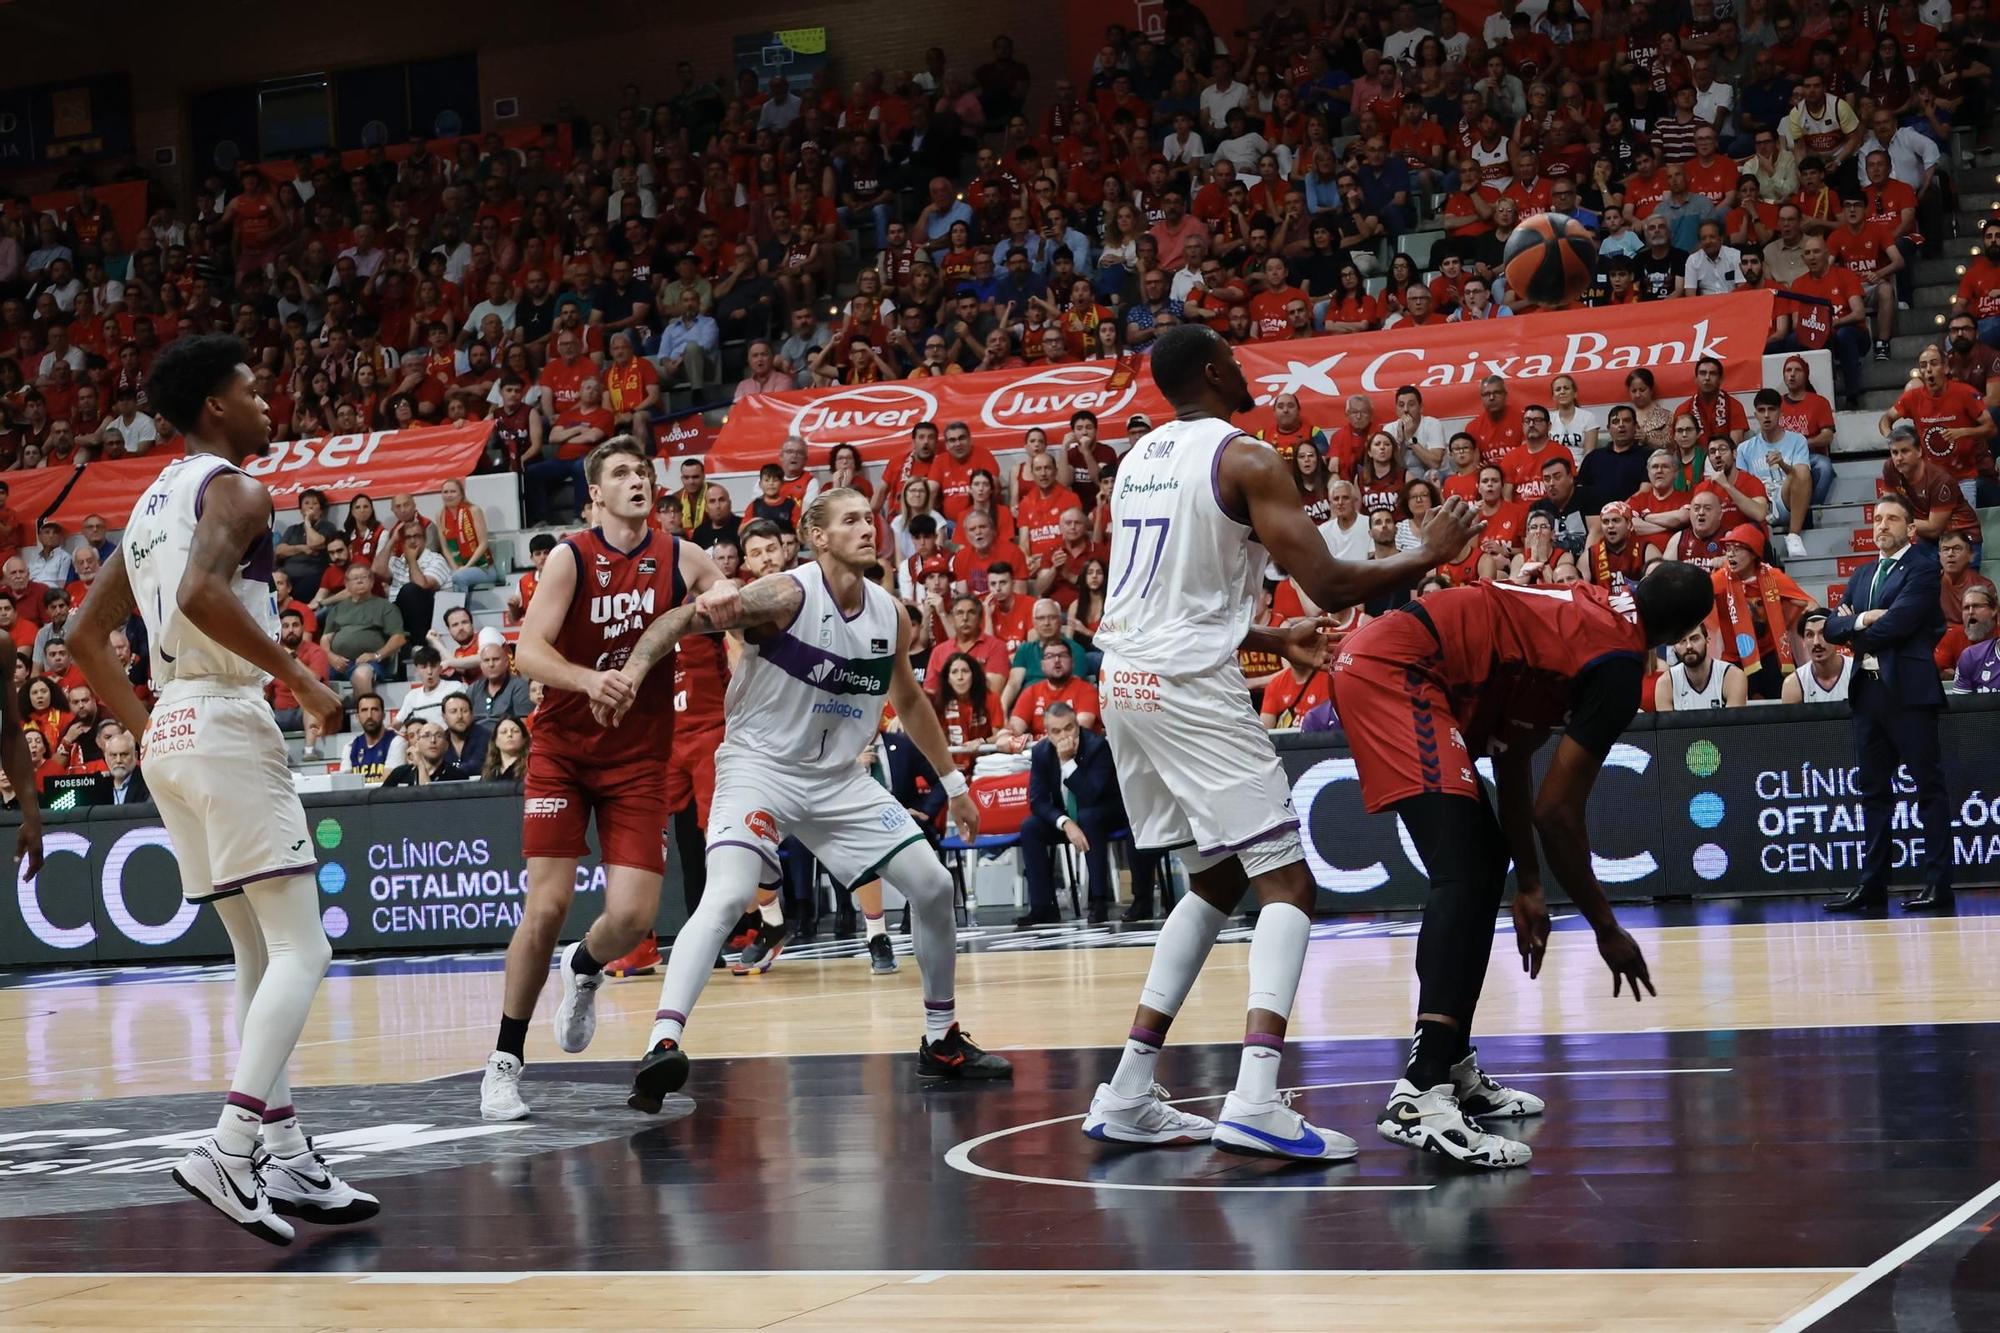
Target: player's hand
pixel 28 842
pixel 1077 837
pixel 1448 528
pixel 611 693
pixel 722 604
pixel 318 702
pixel 1303 641
pixel 965 818
pixel 1531 929
pixel 1628 966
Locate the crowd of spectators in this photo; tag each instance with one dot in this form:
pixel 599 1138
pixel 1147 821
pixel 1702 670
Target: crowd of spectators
pixel 1317 174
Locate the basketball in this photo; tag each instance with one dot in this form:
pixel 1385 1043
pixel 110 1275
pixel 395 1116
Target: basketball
pixel 1548 262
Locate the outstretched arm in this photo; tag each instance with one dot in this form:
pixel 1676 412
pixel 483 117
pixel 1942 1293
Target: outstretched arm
pixel 108 607
pixel 1254 482
pixel 771 600
pixel 920 723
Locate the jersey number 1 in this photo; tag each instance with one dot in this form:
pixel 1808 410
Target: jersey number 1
pixel 1138 527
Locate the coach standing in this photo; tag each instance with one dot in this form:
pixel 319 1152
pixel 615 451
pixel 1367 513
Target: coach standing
pixel 1893 620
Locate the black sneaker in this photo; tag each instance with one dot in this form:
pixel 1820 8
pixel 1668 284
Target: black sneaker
pixel 1881 351
pixel 744 931
pixel 954 1056
pixel 664 1070
pixel 881 956
pixel 762 950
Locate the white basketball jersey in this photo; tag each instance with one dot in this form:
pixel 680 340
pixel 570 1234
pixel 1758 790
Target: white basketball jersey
pixel 1812 692
pixel 156 543
pixel 810 695
pixel 1185 576
pixel 1686 696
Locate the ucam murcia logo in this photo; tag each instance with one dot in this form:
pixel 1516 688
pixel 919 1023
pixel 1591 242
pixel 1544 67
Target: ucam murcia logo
pixel 1049 397
pixel 1580 353
pixel 864 414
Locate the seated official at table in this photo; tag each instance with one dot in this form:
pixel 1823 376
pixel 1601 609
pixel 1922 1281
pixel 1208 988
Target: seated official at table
pixel 1073 797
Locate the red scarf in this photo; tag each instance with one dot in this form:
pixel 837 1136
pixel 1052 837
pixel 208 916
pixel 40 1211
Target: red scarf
pixel 458 530
pixel 1734 599
pixel 1607 566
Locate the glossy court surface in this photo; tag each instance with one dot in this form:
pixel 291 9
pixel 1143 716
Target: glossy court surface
pixel 1803 1130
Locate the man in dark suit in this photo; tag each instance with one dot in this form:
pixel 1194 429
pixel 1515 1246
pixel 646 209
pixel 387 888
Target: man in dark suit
pixel 1892 618
pixel 121 764
pixel 1073 796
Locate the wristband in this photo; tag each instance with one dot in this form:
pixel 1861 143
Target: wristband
pixel 954 785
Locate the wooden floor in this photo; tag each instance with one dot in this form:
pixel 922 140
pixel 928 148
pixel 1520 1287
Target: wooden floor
pixel 1065 1010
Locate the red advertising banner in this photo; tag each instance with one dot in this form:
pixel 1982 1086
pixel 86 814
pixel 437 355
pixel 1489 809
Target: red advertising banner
pixel 382 464
pixel 1598 348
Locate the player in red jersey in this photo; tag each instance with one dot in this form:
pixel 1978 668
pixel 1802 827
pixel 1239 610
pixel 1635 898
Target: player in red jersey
pixel 599 591
pixel 1467 673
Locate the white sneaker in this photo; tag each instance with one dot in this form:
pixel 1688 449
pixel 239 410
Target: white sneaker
pixel 230 1185
pixel 1429 1119
pixel 500 1090
pixel 576 1016
pixel 1146 1118
pixel 1795 546
pixel 1479 1095
pixel 302 1186
pixel 1274 1129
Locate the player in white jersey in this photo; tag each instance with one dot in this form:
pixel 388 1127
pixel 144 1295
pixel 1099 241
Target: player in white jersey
pixel 1696 680
pixel 1826 674
pixel 1196 507
pixel 195 561
pixel 824 649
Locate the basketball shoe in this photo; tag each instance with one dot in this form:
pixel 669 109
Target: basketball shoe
pixel 500 1090
pixel 881 956
pixel 1274 1129
pixel 1146 1118
pixel 302 1186
pixel 744 930
pixel 762 950
pixel 1430 1120
pixel 1479 1096
pixel 576 1016
pixel 231 1185
pixel 663 1069
pixel 954 1056
pixel 643 961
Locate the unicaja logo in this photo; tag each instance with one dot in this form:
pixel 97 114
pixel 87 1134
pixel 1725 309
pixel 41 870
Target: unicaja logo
pixel 1047 398
pixel 820 672
pixel 865 414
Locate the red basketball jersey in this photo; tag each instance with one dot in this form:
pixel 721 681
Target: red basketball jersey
pixel 618 594
pixel 1511 653
pixel 701 679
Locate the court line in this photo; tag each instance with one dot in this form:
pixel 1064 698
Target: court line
pixel 475 1276
pixel 959 1156
pixel 1889 1262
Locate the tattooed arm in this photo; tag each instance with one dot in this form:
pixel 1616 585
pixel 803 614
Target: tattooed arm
pixel 771 600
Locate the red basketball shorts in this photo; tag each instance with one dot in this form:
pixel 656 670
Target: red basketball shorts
pixel 1397 715
pixel 564 792
pixel 691 770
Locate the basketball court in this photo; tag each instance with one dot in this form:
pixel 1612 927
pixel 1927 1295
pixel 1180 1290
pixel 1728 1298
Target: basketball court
pixel 1803 1131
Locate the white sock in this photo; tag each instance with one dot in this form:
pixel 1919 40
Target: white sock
pixel 773 912
pixel 1257 1072
pixel 282 1135
pixel 1185 939
pixel 876 925
pixel 1277 957
pixel 236 1129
